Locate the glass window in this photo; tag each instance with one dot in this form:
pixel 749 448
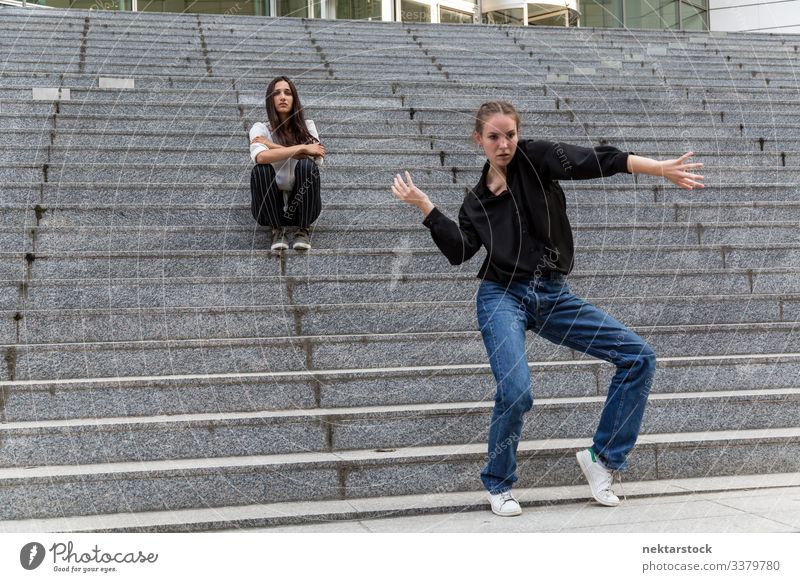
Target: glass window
pixel 694 15
pixel 230 7
pixel 510 16
pixel 414 12
pixel 603 13
pixel 651 13
pixel 85 4
pixel 297 8
pixel 552 18
pixel 450 16
pixel 358 9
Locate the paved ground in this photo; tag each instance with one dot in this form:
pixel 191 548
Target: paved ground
pixel 750 511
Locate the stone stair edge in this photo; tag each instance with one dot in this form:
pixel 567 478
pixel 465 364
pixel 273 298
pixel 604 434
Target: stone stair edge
pixel 58 473
pixel 789 326
pixel 239 518
pixel 423 276
pixel 357 252
pixel 405 227
pixel 187 382
pixel 44 205
pixel 463 188
pixel 310 309
pixel 336 414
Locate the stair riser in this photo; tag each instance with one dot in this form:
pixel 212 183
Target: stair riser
pixel 91 495
pixel 275 355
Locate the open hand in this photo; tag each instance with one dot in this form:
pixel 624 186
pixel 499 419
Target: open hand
pixel 676 171
pixel 407 192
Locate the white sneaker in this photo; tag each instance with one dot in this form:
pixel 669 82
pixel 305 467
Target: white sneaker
pixel 599 477
pixel 504 504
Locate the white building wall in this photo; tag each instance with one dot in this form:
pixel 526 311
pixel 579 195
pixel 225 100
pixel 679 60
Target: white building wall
pixel 755 15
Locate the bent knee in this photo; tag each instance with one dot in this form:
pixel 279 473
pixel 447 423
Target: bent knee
pixel 516 400
pixel 306 165
pixel 647 359
pixel 262 170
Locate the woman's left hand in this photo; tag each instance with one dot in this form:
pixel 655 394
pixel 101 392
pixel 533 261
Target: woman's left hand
pixel 676 171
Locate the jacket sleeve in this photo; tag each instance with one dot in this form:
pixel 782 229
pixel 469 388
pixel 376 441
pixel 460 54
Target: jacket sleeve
pixel 563 161
pixel 458 242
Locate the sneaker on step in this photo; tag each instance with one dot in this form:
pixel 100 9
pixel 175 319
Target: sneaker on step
pixel 279 242
pixel 302 242
pixel 600 478
pixel 504 504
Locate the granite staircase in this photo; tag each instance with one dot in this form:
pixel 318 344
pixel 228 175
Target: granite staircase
pixel 162 370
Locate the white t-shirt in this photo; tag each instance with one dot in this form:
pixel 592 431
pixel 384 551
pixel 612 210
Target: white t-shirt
pixel 284 170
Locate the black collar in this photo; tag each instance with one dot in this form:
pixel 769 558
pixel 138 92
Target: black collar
pixel 482 190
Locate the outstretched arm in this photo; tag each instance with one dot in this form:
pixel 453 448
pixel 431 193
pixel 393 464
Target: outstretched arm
pixel 676 171
pixel 458 242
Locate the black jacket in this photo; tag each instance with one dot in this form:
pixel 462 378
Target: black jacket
pixel 525 229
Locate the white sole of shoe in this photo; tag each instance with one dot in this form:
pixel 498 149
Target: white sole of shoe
pixel 585 471
pixel 279 247
pixel 301 246
pixel 510 514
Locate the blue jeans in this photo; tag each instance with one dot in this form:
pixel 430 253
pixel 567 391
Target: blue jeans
pixel 548 307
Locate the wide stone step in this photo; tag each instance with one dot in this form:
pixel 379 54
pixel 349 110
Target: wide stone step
pixel 117 236
pixel 423 156
pixel 181 484
pixel 229 125
pixel 369 194
pixel 237 213
pixel 455 59
pixel 326 115
pixel 285 354
pixel 277 516
pixel 399 144
pixel 622 105
pixel 260 391
pixel 258 262
pixel 239 174
pixel 231 105
pixel 195 292
pixel 260 319
pixel 624 129
pixel 115 440
pixel 144 80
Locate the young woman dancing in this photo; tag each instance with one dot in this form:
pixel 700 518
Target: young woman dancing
pixel 518 212
pixel 284 184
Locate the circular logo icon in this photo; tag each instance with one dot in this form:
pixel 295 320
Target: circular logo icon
pixel 31 556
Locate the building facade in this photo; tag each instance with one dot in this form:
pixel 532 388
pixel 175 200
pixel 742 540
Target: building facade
pixel 748 16
pixel 665 14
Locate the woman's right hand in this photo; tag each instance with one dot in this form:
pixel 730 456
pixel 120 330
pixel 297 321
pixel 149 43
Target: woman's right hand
pixel 407 192
pixel 313 150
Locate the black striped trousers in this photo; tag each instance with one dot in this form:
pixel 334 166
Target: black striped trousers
pixel 303 206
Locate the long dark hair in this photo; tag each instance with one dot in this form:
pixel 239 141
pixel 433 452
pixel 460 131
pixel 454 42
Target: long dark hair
pixel 293 131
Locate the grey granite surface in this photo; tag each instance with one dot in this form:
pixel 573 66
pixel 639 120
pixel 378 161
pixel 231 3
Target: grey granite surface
pixel 131 273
